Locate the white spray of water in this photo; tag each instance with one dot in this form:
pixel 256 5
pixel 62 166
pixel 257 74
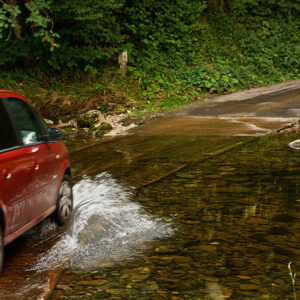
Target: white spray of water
pixel 106 226
pixel 295 144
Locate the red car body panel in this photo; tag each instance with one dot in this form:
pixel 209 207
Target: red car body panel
pixel 10 94
pixel 30 177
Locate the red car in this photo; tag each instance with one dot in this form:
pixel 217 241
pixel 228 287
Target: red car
pixel 35 175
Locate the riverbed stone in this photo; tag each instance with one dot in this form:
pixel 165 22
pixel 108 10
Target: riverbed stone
pixel 90 119
pixel 167 249
pixel 49 122
pixel 77 272
pixel 244 277
pixel 139 277
pixel 208 248
pixel 152 286
pixel 92 282
pixel 179 273
pixel 255 281
pixel 63 287
pixel 248 286
pixel 279 281
pixel 102 129
pixel 120 130
pixel 167 279
pixel 113 291
pixel 208 278
pixel 185 175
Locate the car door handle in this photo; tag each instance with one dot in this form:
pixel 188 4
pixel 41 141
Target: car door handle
pixel 6 174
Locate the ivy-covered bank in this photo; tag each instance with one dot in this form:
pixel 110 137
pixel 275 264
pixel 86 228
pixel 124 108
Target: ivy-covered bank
pixel 64 55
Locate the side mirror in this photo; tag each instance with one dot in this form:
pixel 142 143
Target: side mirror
pixel 55 134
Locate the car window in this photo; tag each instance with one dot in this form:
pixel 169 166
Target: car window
pixel 8 137
pixel 42 122
pixel 26 121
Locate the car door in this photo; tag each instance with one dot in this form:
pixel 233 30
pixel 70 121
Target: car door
pixel 16 173
pixel 45 165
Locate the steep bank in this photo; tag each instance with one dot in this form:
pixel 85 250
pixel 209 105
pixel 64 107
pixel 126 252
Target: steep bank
pixel 221 53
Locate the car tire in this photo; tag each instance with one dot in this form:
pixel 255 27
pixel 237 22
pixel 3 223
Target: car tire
pixel 1 248
pixel 64 205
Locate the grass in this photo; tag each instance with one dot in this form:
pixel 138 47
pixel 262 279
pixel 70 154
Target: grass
pixel 293 277
pixel 142 92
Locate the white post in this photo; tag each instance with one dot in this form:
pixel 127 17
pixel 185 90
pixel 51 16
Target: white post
pixel 123 60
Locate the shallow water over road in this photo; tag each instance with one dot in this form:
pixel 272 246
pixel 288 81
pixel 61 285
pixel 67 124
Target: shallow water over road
pixel 228 222
pixel 182 208
pixel 175 217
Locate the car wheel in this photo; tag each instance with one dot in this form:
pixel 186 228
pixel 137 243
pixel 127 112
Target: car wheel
pixel 1 248
pixel 64 204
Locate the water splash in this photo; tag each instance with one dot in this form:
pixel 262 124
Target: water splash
pixel 106 226
pixel 295 144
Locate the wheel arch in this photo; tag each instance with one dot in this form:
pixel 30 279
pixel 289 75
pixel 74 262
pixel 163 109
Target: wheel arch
pixel 68 171
pixel 2 219
pixel 65 168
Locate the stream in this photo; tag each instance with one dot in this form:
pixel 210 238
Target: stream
pixel 213 222
pixel 184 207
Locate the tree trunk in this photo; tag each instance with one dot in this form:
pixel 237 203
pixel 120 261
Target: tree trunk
pixel 228 4
pixel 212 4
pixel 221 4
pixel 17 30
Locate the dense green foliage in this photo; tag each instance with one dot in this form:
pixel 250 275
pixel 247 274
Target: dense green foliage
pixel 178 49
pixel 84 35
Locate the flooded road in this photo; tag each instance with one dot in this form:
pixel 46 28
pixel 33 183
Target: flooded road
pixel 233 224
pixel 183 208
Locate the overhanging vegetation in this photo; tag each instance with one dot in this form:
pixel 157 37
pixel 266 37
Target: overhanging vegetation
pixel 65 54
